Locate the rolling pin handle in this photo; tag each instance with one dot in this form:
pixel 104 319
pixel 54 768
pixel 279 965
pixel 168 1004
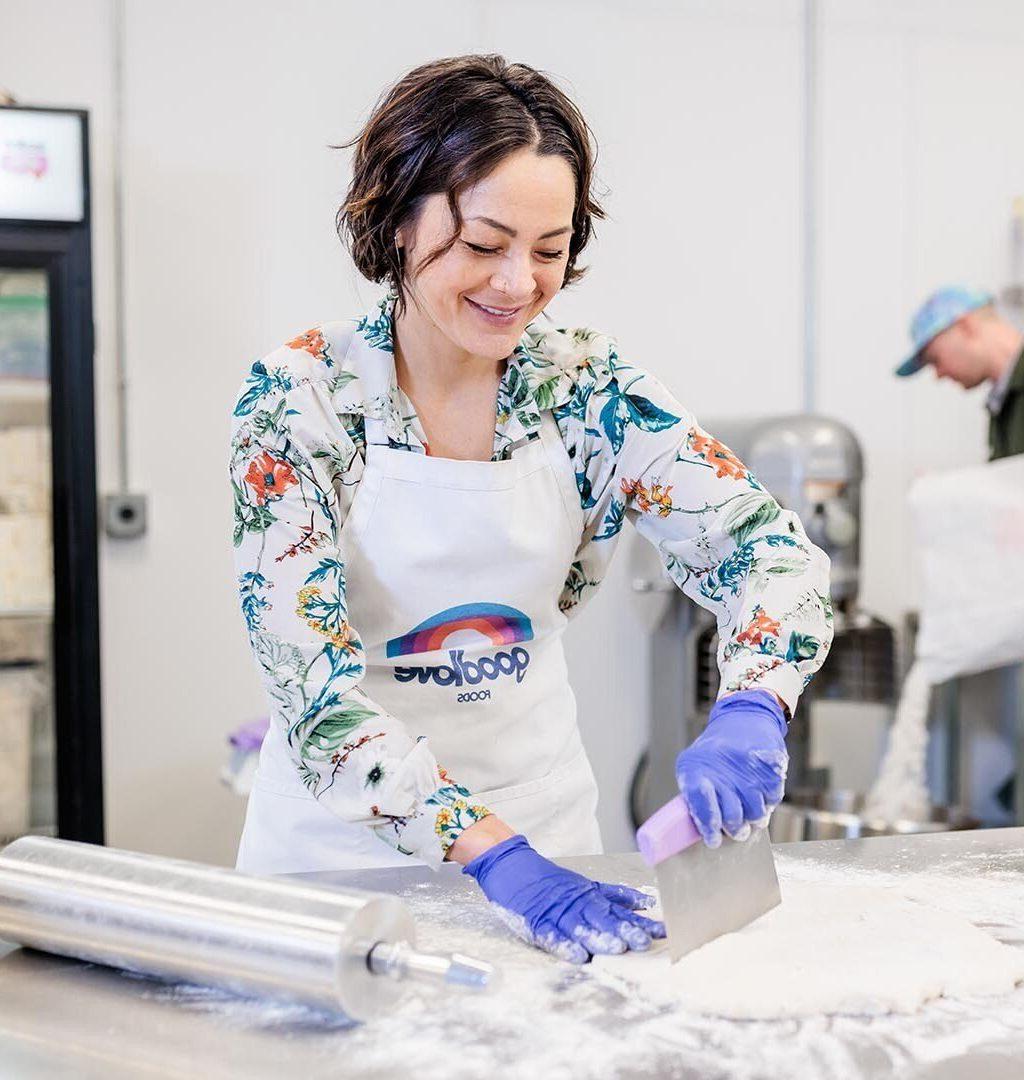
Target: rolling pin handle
pixel 399 960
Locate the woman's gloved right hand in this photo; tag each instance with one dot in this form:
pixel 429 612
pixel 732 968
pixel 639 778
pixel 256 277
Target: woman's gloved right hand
pixel 560 911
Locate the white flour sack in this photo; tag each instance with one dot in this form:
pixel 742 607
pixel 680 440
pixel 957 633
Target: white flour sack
pixel 969 533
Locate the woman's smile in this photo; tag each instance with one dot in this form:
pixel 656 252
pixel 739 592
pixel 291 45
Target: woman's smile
pixel 495 316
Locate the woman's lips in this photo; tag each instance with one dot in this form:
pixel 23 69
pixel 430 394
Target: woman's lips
pixel 492 316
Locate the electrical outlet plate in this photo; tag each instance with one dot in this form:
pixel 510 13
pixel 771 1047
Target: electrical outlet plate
pixel 124 516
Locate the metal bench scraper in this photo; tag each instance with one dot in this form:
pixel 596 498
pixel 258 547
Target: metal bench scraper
pixel 706 892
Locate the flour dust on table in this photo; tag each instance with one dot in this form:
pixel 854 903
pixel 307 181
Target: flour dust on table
pixel 829 949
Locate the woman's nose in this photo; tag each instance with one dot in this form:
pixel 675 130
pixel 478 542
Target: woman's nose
pixel 515 278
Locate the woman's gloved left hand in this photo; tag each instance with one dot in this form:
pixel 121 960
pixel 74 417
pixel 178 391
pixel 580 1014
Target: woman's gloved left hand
pixel 734 773
pixel 560 911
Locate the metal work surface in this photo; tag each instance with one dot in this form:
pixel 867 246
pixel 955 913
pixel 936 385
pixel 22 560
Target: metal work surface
pixel 65 1018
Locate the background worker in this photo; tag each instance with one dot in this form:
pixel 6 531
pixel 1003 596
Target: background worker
pixel 959 333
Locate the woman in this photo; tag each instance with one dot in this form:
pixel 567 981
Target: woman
pixel 425 496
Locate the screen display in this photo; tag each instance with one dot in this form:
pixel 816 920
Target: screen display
pixel 41 165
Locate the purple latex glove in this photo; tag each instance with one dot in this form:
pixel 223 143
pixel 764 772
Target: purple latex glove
pixel 250 735
pixel 560 911
pixel 734 773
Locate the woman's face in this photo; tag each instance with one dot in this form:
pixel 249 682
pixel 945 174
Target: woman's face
pixel 508 260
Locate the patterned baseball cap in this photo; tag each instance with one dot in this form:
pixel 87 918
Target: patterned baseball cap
pixel 936 314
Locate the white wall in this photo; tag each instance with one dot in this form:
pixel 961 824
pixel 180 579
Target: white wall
pixel 230 108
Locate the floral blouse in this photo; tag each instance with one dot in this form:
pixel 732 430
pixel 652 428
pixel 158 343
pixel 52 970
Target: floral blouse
pixel 297 454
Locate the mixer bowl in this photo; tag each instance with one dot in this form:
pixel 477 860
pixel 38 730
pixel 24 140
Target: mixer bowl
pixel 837 815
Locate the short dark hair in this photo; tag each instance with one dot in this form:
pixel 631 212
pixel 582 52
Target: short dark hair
pixel 444 127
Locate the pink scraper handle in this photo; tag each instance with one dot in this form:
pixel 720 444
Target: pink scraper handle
pixel 666 832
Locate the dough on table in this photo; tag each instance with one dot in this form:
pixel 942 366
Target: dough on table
pixel 829 949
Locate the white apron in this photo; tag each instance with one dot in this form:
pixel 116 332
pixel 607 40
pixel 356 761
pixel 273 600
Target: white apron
pixel 454 570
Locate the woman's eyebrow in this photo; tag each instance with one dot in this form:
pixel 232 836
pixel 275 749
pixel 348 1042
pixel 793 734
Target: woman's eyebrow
pixel 511 232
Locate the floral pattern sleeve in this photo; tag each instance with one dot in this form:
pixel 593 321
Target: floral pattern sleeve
pixel 295 462
pixel 639 455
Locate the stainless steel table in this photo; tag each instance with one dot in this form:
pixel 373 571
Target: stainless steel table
pixel 61 1018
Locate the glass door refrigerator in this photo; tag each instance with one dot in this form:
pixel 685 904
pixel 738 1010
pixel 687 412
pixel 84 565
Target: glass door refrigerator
pixel 50 750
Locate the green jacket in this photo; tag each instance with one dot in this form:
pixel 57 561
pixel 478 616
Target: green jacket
pixel 1006 427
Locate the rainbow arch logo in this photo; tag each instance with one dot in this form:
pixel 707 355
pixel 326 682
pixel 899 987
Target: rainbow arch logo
pixel 500 624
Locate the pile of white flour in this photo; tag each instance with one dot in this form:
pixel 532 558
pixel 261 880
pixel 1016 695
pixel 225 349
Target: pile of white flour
pixel 901 792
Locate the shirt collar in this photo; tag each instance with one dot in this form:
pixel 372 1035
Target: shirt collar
pixel 1001 387
pixel 542 373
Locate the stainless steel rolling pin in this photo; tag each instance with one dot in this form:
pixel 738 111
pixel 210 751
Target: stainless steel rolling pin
pixel 330 948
